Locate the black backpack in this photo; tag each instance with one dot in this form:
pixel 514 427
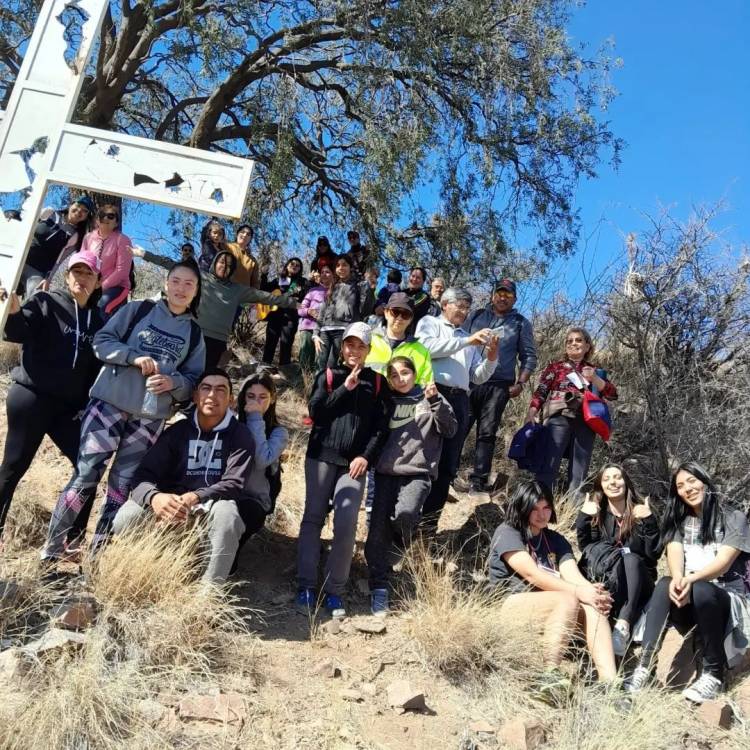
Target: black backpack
pixel 600 563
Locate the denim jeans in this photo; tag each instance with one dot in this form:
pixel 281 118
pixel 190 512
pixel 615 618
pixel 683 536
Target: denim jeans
pixel 568 437
pixel 488 402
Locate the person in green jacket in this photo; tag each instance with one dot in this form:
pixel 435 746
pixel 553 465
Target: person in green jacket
pixel 391 340
pixel 220 299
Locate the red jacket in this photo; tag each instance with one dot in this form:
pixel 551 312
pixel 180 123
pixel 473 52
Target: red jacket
pixel 554 380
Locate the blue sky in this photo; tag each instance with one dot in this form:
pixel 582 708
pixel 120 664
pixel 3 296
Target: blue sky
pixel 684 111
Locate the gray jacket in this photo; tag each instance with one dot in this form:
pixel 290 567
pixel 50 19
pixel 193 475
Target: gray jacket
pixel 220 299
pixel 416 430
pixel 161 335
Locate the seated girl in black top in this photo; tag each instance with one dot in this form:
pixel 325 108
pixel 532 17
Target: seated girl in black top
pixel 537 567
pixel 708 546
pixel 618 536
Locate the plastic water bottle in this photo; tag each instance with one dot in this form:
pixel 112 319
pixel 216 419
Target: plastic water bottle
pixel 150 407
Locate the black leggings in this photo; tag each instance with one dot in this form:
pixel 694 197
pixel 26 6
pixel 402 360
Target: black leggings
pixel 31 416
pixel 709 610
pixel 635 586
pixel 214 349
pixel 281 325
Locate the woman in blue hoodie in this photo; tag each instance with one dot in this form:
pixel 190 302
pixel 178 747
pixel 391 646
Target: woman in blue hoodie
pixel 50 386
pixel 153 354
pixel 256 410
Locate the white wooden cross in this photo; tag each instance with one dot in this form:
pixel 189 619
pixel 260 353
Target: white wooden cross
pixel 39 146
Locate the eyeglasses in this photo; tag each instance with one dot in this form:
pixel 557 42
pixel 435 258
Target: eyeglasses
pixel 504 293
pixel 462 306
pixel 111 217
pixel 399 313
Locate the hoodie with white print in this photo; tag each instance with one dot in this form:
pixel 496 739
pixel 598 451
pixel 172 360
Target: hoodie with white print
pixel 212 464
pixel 159 334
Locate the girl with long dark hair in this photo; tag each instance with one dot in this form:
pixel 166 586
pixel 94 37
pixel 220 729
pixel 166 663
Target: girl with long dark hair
pixel 222 298
pixel 347 301
pixel 708 548
pixel 55 232
pixel 152 354
pixel 526 554
pixel 213 241
pixel 616 530
pixel 256 409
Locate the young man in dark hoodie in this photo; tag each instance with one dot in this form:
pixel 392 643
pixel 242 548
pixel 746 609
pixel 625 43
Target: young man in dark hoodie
pixel 197 467
pixel 58 367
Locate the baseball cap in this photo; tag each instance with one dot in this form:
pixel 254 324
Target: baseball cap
pixel 359 330
pixel 506 285
pixel 87 258
pixel 400 301
pixel 86 202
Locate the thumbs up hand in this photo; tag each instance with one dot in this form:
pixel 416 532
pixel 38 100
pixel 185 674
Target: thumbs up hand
pixel 642 510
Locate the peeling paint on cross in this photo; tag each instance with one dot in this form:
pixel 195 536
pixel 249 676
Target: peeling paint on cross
pixel 39 146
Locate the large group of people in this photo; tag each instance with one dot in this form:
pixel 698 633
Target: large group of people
pixel 399 378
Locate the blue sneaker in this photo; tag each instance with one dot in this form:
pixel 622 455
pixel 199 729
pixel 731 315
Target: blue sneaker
pixel 379 602
pixel 305 601
pixel 334 605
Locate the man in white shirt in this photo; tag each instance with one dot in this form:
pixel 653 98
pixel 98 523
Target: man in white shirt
pixel 458 359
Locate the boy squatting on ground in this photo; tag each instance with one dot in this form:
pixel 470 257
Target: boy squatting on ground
pixel 197 466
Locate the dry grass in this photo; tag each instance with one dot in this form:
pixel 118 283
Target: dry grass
pixel 154 603
pixel 80 701
pixel 26 525
pixel 10 356
pixel 659 720
pixel 458 627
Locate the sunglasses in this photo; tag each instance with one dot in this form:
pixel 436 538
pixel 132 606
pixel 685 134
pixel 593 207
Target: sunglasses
pixel 103 215
pixel 399 313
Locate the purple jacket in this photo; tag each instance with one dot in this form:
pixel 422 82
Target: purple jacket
pixel 313 301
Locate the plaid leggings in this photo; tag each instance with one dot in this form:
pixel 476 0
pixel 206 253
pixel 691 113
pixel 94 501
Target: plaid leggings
pixel 105 431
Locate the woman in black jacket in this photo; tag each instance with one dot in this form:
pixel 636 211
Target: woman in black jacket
pixel 350 427
pixel 282 324
pixel 58 367
pixel 616 529
pixel 54 231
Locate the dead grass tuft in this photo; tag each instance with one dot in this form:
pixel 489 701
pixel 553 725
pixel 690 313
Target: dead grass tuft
pixel 155 605
pixel 26 525
pixel 10 355
pixel 458 626
pixel 82 700
pixel 659 720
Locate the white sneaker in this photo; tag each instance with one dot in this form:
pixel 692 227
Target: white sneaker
pixel 705 688
pixel 637 681
pixel 620 638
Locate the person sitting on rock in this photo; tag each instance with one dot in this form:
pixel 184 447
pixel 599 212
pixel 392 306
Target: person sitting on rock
pixel 618 536
pixel 197 468
pixel 537 569
pixel 708 549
